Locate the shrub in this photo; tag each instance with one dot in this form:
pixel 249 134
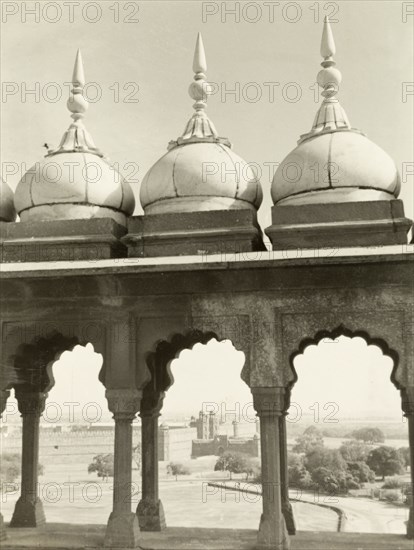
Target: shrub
pixel 393 483
pixel 391 496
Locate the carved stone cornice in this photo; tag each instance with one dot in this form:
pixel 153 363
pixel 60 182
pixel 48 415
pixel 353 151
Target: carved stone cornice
pixel 123 403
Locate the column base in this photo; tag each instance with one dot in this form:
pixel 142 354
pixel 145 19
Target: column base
pixel 28 513
pixel 3 535
pixel 410 524
pixel 289 518
pixel 271 535
pixel 151 515
pixel 122 531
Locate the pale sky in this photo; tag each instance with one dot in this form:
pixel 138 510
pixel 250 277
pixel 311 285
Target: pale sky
pixel 374 53
pixel 150 59
pixel 208 377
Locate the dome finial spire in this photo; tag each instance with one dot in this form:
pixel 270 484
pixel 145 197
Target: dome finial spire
pixel 77 104
pixel 331 116
pixel 328 49
pixel 199 127
pixel 76 137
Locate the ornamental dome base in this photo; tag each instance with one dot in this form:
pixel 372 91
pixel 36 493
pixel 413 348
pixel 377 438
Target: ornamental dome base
pixel 179 205
pixel 336 195
pixel 345 225
pixel 194 233
pixel 70 211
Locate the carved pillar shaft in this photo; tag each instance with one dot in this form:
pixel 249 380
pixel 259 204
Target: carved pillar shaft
pixel 268 403
pixel 408 408
pixel 150 510
pixel 286 505
pixel 122 463
pixel 122 530
pixel 150 456
pixel 28 511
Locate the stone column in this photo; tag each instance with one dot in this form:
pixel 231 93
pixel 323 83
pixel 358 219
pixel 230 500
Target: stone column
pixel 286 505
pixel 122 530
pixel 269 405
pixel 408 409
pixel 4 395
pixel 150 511
pixel 28 511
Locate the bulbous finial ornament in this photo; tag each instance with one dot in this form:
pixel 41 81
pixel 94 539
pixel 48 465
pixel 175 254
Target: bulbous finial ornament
pixel 198 88
pixel 77 138
pixel 199 127
pixel 328 78
pixel 330 116
pixel 76 103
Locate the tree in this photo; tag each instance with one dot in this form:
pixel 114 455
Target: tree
pixel 103 465
pixel 234 463
pixel 177 469
pixel 333 482
pixel 354 450
pixel 327 458
pixel 361 472
pixel 404 453
pixel 308 441
pixel 10 465
pixel 136 455
pixel 385 461
pixel 369 435
pixel 299 477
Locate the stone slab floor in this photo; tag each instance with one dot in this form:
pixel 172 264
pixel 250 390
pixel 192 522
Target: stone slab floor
pixel 59 536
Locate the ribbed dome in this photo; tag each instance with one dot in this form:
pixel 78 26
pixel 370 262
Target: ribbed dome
pixel 200 176
pixel 7 211
pixel 334 163
pixel 335 167
pixel 74 181
pixel 73 185
pixel 200 171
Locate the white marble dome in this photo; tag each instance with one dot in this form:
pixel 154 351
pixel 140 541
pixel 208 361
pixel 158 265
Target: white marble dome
pixel 197 177
pixel 73 185
pixel 340 166
pixel 7 210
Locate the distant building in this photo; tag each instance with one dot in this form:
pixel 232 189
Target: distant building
pixel 210 442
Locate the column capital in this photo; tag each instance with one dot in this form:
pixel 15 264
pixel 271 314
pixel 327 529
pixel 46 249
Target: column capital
pixel 123 403
pixel 269 401
pixel 151 404
pixel 407 400
pixel 30 402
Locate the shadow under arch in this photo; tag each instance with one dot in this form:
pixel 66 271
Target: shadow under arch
pixel 33 362
pixel 341 330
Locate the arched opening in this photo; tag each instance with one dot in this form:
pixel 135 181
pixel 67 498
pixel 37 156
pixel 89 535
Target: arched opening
pixel 74 425
pixel 207 414
pixel 348 447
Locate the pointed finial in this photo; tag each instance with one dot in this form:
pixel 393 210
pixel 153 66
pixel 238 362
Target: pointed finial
pixel 330 116
pixel 327 43
pixel 198 89
pixel 199 61
pixel 199 127
pixel 77 104
pixel 77 138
